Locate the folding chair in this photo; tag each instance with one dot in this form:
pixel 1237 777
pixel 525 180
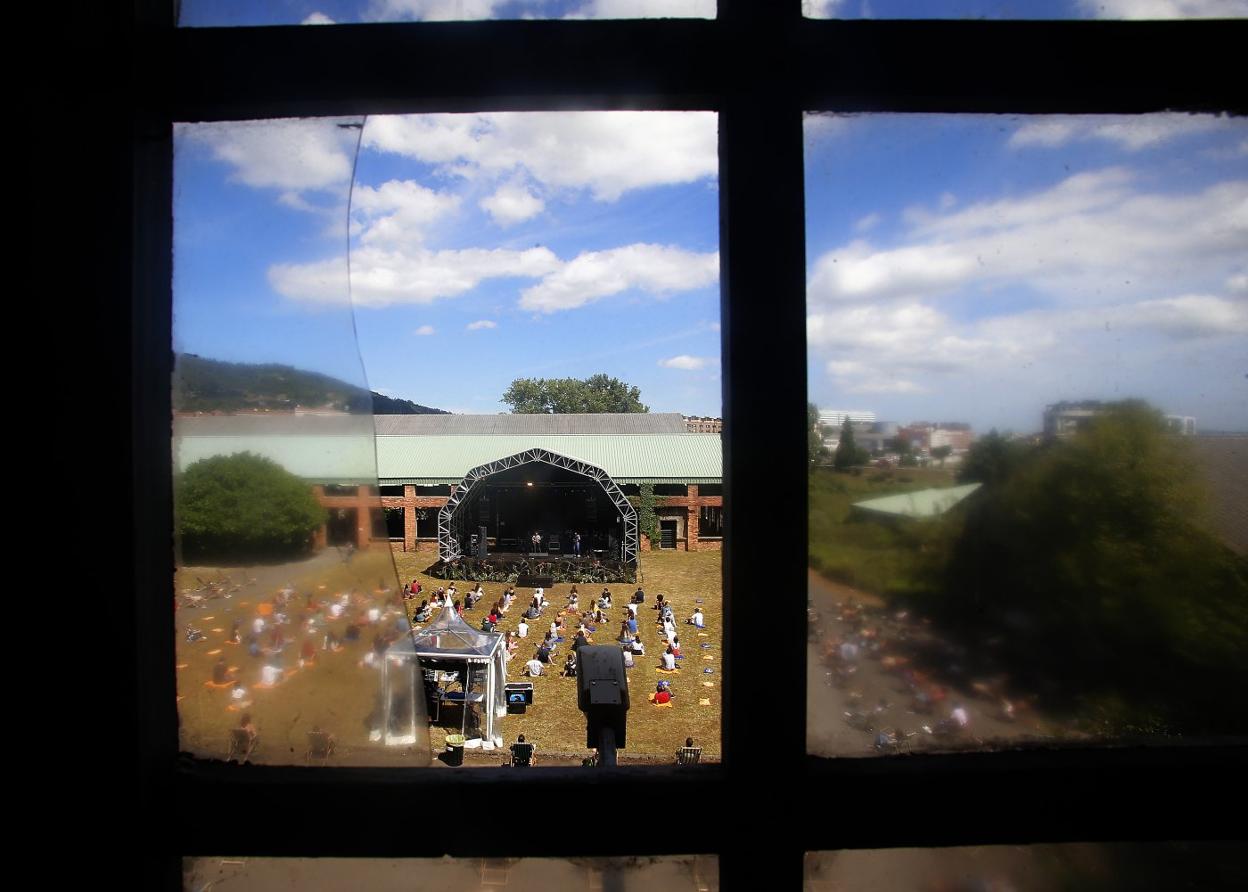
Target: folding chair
pixel 522 755
pixel 320 746
pixel 688 755
pixel 242 745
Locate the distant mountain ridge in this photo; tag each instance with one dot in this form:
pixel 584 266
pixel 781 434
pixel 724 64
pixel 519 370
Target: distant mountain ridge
pixel 211 385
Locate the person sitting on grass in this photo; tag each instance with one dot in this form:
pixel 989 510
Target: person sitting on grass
pixel 423 613
pixel 663 693
pixel 239 696
pixel 534 666
pixel 220 672
pixel 549 642
pixel 631 623
pixel 626 636
pixel 569 665
pixel 638 648
pixel 697 619
pixel 307 652
pixel 628 657
pixel 544 653
pixel 669 660
pixel 658 604
pixel 233 639
pixel 522 629
pixel 580 641
pixel 604 603
pixel 574 602
pixel 675 645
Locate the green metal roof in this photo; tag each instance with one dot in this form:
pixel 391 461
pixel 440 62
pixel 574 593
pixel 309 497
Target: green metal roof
pixel 431 460
pixel 924 503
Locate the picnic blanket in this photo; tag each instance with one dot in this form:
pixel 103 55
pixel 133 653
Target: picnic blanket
pixel 668 671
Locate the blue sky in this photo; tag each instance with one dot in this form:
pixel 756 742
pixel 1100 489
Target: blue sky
pixel 968 268
pixel 976 268
pixel 291 12
pixel 484 248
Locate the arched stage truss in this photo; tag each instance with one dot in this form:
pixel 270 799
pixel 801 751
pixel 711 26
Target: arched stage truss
pixel 448 540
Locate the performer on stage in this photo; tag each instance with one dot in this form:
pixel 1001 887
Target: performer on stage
pixel 576 544
pixel 537 542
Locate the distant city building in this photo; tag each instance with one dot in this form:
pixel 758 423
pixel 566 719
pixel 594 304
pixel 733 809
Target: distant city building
pixel 836 417
pixel 699 425
pixel 1182 424
pixel 1064 420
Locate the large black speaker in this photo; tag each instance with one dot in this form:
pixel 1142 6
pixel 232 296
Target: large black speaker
pixel 483 544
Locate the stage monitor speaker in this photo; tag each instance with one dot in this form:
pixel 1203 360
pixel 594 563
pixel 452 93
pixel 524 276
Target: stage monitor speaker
pixel 483 544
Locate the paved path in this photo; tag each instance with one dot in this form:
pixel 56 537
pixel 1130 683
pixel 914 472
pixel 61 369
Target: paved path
pixel 882 695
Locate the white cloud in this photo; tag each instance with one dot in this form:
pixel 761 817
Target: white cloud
pixel 431 10
pixel 414 275
pixel 1130 132
pixel 424 330
pixel 319 18
pixel 512 203
pixel 685 362
pixel 291 155
pixel 1238 284
pixel 608 153
pixel 869 222
pixel 913 348
pixel 645 9
pixel 1090 238
pixel 1164 9
pixel 397 212
pixel 480 324
pixel 657 269
pixel 821 9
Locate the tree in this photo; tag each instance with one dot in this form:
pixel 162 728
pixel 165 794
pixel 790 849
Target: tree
pixel 846 450
pixel 1091 558
pixel 244 506
pixel 814 442
pixel 561 396
pixel 940 453
pixel 992 459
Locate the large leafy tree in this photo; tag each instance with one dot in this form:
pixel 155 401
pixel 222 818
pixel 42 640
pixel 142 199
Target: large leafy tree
pixel 846 450
pixel 558 396
pixel 1089 555
pixel 244 506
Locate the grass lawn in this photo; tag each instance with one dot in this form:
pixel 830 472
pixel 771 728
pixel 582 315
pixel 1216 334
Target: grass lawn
pixel 877 556
pixel 341 695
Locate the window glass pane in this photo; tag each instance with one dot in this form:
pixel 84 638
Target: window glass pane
pixel 215 13
pixel 286 593
pixel 1029 429
pixel 1024 9
pixel 563 267
pixel 677 873
pixel 1032 868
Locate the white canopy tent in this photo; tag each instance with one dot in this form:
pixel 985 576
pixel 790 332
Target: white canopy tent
pixel 449 643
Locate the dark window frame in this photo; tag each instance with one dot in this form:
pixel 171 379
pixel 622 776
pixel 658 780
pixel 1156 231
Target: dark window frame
pixel 760 66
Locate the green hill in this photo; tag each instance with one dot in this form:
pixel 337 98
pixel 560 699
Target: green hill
pixel 210 385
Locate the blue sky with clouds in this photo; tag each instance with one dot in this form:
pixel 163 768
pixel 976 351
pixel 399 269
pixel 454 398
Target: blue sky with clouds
pixel 969 268
pixel 291 12
pixel 976 268
pixel 483 248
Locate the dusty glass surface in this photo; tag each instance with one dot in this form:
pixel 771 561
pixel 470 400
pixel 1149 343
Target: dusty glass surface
pixel 1024 9
pixel 285 597
pixel 1029 430
pixel 676 873
pixel 1032 868
pixel 515 285
pixel 218 13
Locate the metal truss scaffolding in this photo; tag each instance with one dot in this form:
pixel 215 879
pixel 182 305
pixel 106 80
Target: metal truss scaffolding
pixel 450 518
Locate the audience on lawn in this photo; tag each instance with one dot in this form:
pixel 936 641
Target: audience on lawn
pixel 534 666
pixel 669 660
pixel 569 665
pixel 697 618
